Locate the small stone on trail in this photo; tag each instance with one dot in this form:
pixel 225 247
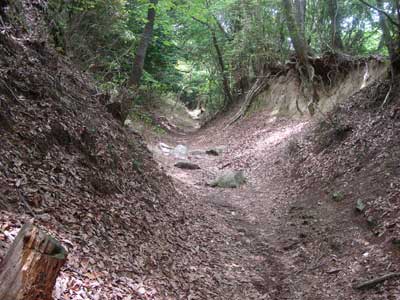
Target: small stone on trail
pixel 371 221
pixel 216 151
pixel 141 291
pixel 360 206
pixel 187 165
pixel 212 152
pixel 230 179
pixel 180 152
pixel 396 242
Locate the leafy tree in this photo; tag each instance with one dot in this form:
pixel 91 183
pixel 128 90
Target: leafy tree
pixel 228 48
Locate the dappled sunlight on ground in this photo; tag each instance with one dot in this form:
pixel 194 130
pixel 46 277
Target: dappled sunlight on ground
pixel 276 137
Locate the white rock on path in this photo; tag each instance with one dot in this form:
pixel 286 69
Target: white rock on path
pixel 180 152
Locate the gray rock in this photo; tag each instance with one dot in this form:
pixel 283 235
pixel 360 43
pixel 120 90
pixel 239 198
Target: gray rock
pixel 360 206
pixel 371 221
pixel 187 165
pixel 212 152
pixel 396 242
pixel 230 179
pixel 180 152
pixel 216 150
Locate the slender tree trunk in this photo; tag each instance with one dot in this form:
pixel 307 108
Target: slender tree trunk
pixel 392 43
pixel 300 14
pixel 121 110
pixel 305 68
pixel 395 60
pixel 385 30
pixel 224 75
pixel 336 32
pixel 296 34
pixel 141 51
pixel 220 58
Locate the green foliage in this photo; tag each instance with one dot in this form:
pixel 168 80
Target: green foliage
pixel 147 120
pixel 103 35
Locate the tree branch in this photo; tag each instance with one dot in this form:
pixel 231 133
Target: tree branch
pixel 222 29
pixel 201 22
pixel 382 12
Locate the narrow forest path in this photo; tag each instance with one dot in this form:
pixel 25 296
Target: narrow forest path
pixel 288 243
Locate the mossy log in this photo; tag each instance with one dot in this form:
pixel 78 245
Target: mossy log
pixel 31 266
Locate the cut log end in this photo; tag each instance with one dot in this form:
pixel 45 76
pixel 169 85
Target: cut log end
pixel 31 266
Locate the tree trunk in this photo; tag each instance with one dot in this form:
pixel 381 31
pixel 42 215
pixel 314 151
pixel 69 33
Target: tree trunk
pixel 225 80
pixel 395 59
pixel 336 32
pixel 296 34
pixel 393 44
pixel 141 51
pixel 305 68
pixel 220 58
pixel 121 111
pixel 385 30
pixel 31 266
pixel 300 15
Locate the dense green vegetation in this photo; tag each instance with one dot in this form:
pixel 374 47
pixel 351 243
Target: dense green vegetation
pixel 210 53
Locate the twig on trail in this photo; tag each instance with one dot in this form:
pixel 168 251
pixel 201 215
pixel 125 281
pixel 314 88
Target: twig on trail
pixel 375 281
pixel 225 165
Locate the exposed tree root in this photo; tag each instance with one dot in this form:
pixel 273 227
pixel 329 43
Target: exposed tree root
pixel 258 86
pixel 323 71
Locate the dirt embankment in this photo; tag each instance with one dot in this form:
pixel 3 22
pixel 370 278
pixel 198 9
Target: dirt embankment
pixel 349 163
pixel 336 79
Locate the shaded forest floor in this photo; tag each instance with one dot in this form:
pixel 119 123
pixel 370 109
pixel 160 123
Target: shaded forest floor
pixel 295 235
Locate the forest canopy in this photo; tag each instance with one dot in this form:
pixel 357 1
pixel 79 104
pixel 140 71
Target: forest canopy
pixel 210 53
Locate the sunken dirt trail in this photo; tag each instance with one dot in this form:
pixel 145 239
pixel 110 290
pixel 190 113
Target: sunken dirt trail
pixel 283 242
pixel 251 215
